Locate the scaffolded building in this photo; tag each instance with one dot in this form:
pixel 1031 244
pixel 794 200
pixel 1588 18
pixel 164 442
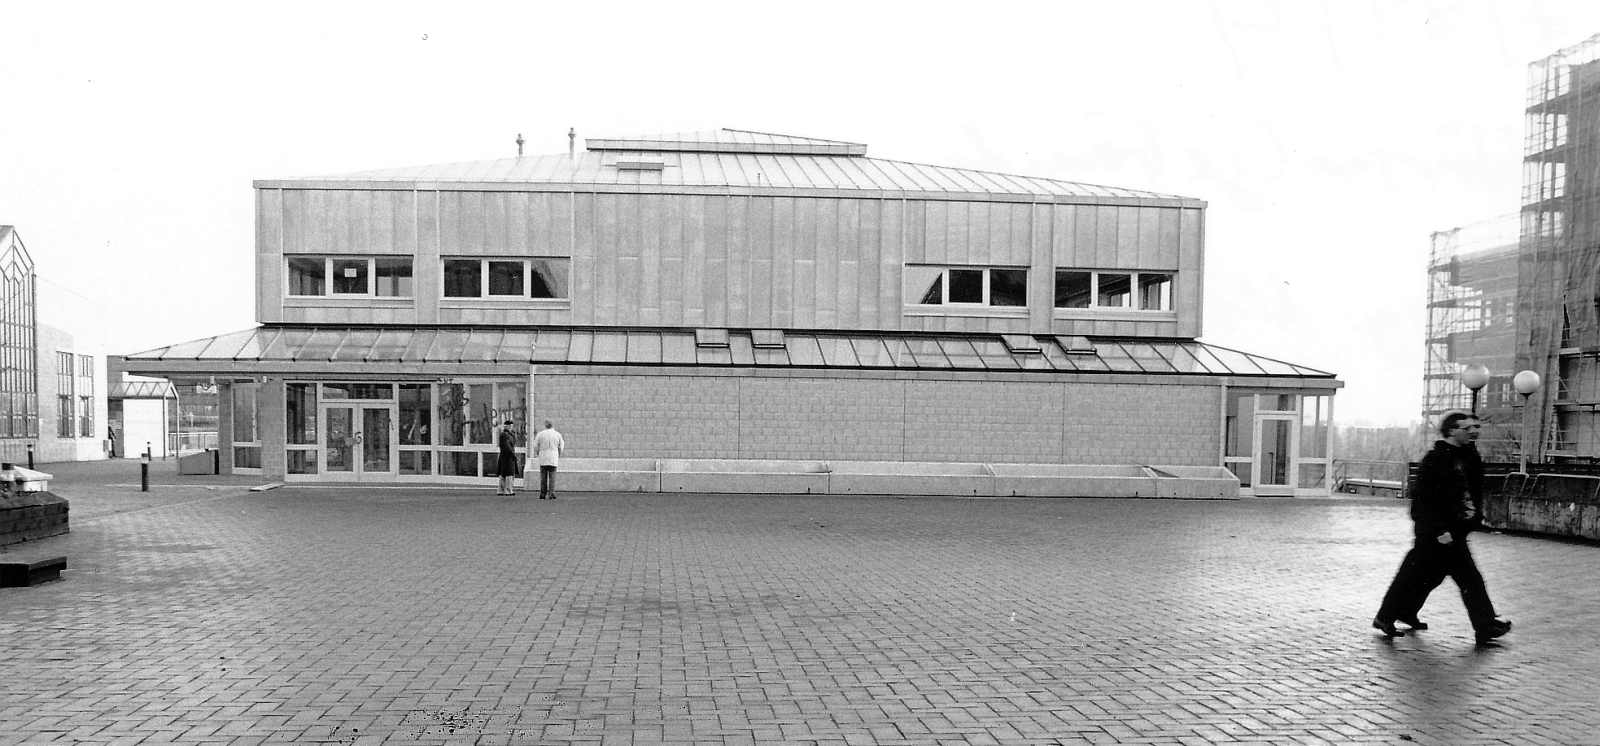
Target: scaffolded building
pixel 1558 267
pixel 1472 299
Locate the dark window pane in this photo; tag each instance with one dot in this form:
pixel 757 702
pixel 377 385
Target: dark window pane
pixel 549 278
pixel 416 462
pixel 350 276
pixel 305 275
pixel 505 278
pixel 1155 291
pixel 458 464
pixel 247 457
pixel 394 277
pixel 358 391
pixel 302 461
pixel 1072 289
pixel 244 412
pixel 462 278
pixel 934 295
pixel 1008 287
pixel 416 410
pixel 966 285
pixel 453 412
pixel 300 401
pixel 1116 290
pixel 481 423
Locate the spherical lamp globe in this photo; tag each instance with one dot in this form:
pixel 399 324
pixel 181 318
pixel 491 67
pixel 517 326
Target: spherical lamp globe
pixel 1474 376
pixel 1526 382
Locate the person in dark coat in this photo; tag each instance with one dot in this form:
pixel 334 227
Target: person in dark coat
pixel 1446 505
pixel 506 466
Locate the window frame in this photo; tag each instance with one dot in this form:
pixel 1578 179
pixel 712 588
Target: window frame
pixel 84 389
pixel 329 280
pixel 986 305
pixel 528 265
pixel 66 394
pixel 1134 293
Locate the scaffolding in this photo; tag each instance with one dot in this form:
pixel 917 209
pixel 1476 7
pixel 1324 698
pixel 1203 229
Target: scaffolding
pixel 1472 299
pixel 1558 268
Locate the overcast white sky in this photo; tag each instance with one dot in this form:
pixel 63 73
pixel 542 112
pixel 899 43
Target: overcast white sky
pixel 1329 138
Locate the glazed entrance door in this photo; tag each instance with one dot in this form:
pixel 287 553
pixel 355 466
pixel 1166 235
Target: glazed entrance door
pixel 358 440
pixel 1276 436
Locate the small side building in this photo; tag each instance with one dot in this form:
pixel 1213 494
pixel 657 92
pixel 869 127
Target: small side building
pixel 52 386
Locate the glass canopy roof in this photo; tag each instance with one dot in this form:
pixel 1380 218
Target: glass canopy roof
pixel 678 346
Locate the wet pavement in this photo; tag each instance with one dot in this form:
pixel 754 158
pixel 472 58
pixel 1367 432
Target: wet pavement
pixel 201 612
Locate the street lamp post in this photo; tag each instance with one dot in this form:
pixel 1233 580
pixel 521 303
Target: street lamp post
pixel 1526 383
pixel 1474 377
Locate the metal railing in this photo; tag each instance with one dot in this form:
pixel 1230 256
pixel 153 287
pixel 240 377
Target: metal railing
pixel 1369 476
pixel 190 442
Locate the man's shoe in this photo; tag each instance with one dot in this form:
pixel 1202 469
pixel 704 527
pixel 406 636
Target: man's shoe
pixel 1414 623
pixel 1495 628
pixel 1386 626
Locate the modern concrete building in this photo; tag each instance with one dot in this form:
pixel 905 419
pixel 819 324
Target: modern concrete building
pixel 52 387
pixel 738 295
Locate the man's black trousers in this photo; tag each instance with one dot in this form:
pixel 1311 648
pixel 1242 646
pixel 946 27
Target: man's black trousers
pixel 1424 568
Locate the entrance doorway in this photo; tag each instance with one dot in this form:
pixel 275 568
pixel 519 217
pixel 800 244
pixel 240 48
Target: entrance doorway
pixel 358 440
pixel 1274 453
pixel 1277 443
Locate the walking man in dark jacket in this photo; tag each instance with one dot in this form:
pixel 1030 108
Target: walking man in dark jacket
pixel 1446 505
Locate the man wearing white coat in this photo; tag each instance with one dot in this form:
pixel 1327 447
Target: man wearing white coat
pixel 547 446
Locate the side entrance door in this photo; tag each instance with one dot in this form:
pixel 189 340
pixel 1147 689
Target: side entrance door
pixel 358 441
pixel 1277 436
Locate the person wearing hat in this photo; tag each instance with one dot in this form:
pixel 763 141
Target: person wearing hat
pixel 506 466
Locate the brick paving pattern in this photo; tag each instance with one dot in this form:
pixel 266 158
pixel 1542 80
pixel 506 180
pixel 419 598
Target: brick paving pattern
pixel 203 613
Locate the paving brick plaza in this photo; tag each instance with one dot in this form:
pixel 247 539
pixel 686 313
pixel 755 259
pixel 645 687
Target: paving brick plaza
pixel 201 612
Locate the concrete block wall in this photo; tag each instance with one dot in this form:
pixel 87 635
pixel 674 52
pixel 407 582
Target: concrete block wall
pixel 639 415
pixel 984 421
pixel 1132 423
pixel 820 418
pixel 643 416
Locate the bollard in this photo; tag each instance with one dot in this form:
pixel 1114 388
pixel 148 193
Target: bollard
pixel 144 472
pixel 30 455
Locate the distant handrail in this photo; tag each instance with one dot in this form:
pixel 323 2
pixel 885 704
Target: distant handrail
pixel 1349 473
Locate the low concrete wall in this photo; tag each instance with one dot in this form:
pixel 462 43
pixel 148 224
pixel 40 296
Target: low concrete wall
pixel 910 478
pixel 772 476
pixel 31 515
pixel 602 475
pixel 744 476
pixel 1131 480
pixel 1564 505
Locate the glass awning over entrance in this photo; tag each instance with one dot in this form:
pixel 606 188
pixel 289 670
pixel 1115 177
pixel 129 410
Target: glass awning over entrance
pixel 457 351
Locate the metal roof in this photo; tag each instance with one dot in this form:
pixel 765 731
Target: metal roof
pixel 735 159
pixel 729 141
pixel 140 390
pixel 429 349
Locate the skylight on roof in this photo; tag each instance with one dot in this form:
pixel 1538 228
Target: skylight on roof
pixel 640 165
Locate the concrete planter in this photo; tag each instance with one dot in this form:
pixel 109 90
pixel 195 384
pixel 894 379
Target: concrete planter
pixel 27 516
pixel 910 478
pixel 602 475
pixel 761 477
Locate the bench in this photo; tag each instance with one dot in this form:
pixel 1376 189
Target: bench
pixel 19 574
